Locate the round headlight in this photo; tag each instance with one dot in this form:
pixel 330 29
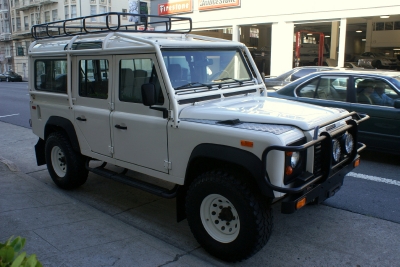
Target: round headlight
pixel 348 141
pixel 336 150
pixel 294 160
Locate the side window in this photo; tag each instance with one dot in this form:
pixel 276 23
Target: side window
pixel 51 75
pixel 93 78
pixel 308 90
pixel 375 92
pixel 133 73
pixel 326 87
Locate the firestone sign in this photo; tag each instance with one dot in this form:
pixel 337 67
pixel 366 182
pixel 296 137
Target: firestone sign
pixel 175 7
pixel 217 4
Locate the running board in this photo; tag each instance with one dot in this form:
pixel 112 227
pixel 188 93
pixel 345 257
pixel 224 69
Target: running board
pixel 121 177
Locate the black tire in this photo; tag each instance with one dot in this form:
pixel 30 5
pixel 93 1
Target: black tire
pixel 66 167
pixel 254 216
pixel 8 80
pixel 378 64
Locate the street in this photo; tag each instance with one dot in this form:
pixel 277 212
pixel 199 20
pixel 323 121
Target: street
pixel 372 189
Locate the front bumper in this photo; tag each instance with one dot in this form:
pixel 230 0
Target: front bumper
pixel 328 177
pixel 317 193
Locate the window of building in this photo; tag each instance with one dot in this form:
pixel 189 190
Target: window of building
pixel 73 11
pixel 124 11
pixel 379 26
pixel 389 26
pixel 7 51
pixel 26 23
pixel 47 16
pixel 102 9
pixel 27 44
pixel 33 19
pixel 18 23
pixel 51 75
pixel 19 50
pixel 66 11
pixel 397 25
pixel 93 11
pixel 13 24
pixel 93 78
pixel 54 15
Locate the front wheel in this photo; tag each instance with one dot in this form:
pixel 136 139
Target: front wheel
pixel 227 217
pixel 66 166
pixel 8 80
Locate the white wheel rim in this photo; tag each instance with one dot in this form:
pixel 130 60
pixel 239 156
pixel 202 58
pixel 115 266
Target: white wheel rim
pixel 220 218
pixel 58 161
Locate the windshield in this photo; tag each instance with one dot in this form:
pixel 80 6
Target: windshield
pixel 201 67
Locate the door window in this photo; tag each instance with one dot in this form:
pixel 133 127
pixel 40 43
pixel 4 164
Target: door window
pixel 375 92
pixel 133 73
pixel 93 77
pixel 326 87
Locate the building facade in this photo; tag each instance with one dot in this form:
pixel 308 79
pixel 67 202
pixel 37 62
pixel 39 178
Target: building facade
pixel 349 28
pixel 18 16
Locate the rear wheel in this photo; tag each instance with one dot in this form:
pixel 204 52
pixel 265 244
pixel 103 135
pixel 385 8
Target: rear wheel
pixel 227 217
pixel 8 80
pixel 66 167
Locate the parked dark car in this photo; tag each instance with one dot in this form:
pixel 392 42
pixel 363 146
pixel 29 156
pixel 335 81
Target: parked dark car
pixel 292 75
pixel 374 93
pixel 10 76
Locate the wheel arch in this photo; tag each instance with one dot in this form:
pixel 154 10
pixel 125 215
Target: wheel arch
pixel 209 156
pixel 54 124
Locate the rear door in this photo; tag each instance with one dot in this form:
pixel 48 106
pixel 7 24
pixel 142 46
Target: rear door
pixel 92 103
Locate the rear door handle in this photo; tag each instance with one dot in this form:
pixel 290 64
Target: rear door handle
pixel 81 119
pixel 121 127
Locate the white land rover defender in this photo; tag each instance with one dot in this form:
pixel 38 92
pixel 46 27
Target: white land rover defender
pixel 188 110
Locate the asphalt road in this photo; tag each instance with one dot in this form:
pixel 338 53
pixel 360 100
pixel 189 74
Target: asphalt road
pixel 372 189
pixel 14 103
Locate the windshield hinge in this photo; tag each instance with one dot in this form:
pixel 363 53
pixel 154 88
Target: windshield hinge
pixel 167 165
pixel 111 149
pixel 170 114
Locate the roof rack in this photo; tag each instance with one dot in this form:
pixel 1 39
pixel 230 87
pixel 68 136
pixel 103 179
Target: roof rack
pixel 101 23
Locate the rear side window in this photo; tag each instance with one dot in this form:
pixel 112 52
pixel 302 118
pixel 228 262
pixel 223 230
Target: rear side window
pixel 51 75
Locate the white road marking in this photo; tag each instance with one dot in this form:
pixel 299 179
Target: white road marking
pixel 374 178
pixel 9 115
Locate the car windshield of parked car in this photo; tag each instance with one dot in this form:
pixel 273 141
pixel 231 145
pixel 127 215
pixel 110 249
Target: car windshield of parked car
pixel 188 68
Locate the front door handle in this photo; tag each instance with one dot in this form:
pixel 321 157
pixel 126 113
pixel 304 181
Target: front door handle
pixel 81 119
pixel 121 127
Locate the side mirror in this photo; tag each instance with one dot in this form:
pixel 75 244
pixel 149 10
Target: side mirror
pixel 148 94
pixel 396 103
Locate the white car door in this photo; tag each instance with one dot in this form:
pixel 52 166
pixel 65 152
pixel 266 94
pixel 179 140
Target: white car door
pixel 139 134
pixel 92 91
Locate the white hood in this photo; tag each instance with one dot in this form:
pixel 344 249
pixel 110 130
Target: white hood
pixel 262 110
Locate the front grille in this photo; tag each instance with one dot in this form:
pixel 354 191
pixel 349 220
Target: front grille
pixel 317 159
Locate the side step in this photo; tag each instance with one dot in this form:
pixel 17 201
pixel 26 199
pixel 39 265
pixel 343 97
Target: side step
pixel 121 177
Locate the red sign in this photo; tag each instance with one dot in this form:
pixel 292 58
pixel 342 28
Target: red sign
pixel 175 7
pixel 217 4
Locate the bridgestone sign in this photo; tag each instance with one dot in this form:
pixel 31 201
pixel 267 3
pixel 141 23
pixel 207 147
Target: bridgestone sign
pixel 217 4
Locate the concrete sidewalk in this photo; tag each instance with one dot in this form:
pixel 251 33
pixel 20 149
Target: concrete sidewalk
pixel 64 232
pixel 105 223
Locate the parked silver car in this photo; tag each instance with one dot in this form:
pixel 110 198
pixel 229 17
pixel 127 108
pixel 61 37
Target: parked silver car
pixel 378 60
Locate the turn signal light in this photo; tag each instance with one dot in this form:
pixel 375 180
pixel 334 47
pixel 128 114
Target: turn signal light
pixel 301 203
pixel 288 170
pixel 246 143
pixel 357 162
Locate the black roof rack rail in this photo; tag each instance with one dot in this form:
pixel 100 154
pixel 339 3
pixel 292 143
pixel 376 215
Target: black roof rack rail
pixel 100 23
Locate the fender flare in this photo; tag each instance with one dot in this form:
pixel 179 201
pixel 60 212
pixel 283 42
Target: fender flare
pixel 67 126
pixel 239 157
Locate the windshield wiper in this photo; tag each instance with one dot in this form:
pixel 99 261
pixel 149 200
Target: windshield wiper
pixel 192 84
pixel 229 78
